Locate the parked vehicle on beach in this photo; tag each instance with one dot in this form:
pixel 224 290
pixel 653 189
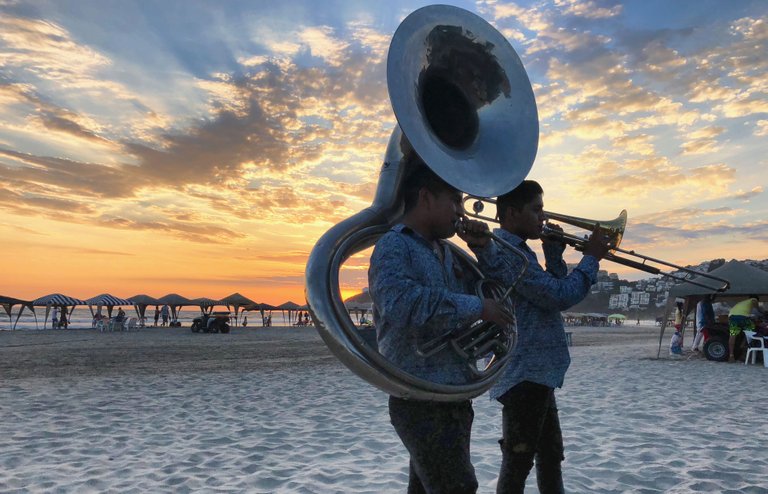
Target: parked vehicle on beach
pixel 215 322
pixel 716 343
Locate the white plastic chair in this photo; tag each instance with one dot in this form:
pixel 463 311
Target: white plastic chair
pixel 752 350
pixel 131 324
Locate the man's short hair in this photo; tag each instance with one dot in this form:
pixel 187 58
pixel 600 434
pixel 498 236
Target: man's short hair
pixel 418 176
pixel 518 197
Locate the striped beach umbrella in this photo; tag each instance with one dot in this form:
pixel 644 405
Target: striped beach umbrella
pixel 108 301
pixel 66 303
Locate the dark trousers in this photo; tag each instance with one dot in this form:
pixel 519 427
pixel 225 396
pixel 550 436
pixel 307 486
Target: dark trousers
pixel 437 437
pixel 531 430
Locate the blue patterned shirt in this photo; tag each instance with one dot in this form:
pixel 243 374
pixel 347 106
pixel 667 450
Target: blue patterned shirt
pixel 541 353
pixel 416 298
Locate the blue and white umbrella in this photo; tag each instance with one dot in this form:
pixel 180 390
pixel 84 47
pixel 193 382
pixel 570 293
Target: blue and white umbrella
pixel 108 301
pixel 56 300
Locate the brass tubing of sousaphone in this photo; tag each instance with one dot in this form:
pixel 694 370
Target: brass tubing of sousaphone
pixel 465 106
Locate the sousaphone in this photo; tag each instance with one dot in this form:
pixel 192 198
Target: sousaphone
pixel 464 104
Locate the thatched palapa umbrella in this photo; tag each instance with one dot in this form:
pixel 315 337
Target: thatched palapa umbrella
pixel 9 302
pixel 140 304
pixel 290 307
pixel 237 301
pixel 175 302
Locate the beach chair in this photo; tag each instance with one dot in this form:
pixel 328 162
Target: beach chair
pixel 101 326
pixel 755 344
pixel 115 325
pixel 131 326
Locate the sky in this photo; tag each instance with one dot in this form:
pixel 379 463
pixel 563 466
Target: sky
pixel 202 147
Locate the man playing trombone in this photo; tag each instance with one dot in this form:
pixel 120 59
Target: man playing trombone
pixel 531 426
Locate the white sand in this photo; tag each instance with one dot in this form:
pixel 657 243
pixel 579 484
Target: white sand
pixel 269 410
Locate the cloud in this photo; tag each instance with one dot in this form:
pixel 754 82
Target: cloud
pixel 703 140
pixel 588 9
pixel 761 128
pixel 649 234
pixel 47 50
pixel 673 226
pixel 749 194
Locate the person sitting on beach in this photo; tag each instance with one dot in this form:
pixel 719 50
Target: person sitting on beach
pixel 526 389
pixel 417 294
pixel 676 344
pixel 120 315
pixel 740 318
pixel 98 318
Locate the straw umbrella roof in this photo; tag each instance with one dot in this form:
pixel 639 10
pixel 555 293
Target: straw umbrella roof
pixel 257 306
pixel 8 302
pixel 361 301
pixel 207 302
pixel 237 299
pixel 360 298
pixel 13 301
pixel 143 300
pixel 174 299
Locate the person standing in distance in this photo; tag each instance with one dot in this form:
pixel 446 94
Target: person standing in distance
pixel 419 294
pixel 530 421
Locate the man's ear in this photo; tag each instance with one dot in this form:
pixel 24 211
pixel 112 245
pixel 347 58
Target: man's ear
pixel 425 196
pixel 509 213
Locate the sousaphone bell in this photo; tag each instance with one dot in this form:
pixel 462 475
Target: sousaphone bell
pixel 464 104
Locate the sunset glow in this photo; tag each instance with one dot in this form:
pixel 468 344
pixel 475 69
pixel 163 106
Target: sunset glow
pixel 203 148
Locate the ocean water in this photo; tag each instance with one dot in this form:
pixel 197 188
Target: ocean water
pixel 81 317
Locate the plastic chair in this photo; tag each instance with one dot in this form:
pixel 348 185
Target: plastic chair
pixel 131 326
pixel 755 344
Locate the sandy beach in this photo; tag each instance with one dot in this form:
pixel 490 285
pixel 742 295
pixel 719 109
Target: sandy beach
pixel 265 410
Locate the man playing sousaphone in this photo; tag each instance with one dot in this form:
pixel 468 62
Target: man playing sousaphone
pixel 531 426
pixel 419 293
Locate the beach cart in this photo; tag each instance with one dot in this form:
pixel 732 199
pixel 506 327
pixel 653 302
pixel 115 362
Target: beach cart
pixel 215 322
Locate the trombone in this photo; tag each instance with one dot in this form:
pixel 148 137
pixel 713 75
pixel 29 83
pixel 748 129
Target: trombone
pixel 614 232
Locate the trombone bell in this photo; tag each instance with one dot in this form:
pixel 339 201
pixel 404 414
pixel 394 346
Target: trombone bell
pixel 614 230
